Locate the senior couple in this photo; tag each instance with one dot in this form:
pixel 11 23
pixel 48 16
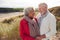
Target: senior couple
pixel 41 27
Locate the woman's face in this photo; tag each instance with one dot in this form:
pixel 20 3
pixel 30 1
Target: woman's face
pixel 31 14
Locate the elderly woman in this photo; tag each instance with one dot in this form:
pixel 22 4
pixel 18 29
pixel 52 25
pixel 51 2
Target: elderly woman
pixel 29 29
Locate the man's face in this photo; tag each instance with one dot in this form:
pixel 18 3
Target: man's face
pixel 42 9
pixel 31 13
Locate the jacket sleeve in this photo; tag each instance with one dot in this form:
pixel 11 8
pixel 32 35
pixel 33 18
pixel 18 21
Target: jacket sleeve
pixel 24 31
pixel 52 27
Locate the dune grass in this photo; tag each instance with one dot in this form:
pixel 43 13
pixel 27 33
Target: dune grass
pixel 9 28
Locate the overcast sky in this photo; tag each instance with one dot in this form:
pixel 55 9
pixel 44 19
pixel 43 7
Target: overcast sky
pixel 27 3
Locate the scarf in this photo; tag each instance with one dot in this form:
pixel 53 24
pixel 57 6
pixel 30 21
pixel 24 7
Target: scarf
pixel 33 26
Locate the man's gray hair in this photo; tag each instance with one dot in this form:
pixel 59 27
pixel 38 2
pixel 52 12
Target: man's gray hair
pixel 27 10
pixel 43 4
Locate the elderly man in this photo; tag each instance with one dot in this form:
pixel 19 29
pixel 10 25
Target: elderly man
pixel 46 21
pixel 29 29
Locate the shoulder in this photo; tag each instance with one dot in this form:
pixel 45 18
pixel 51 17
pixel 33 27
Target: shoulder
pixel 51 16
pixel 23 21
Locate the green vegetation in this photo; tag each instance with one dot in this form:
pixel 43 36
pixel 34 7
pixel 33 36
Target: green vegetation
pixel 3 10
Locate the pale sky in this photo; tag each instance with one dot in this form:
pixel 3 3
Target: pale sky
pixel 27 3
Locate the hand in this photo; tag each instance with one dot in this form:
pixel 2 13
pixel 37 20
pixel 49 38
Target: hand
pixel 37 38
pixel 44 36
pixel 40 37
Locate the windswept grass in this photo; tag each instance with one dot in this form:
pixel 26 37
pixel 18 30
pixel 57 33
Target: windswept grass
pixel 9 28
